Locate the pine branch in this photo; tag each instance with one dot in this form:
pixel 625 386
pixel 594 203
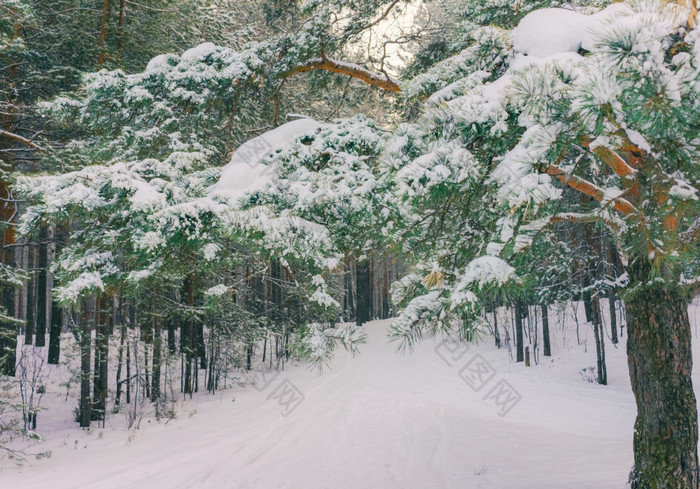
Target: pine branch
pixel 615 162
pixel 386 83
pixel 21 139
pixel 623 206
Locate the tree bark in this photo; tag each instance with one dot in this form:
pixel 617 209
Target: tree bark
pixel 519 332
pixel 101 358
pixel 56 327
pixel 42 292
pixel 612 272
pixel 172 347
pixel 613 317
pixel 364 292
pixel 103 33
pixel 120 33
pixel 545 331
pixel 85 347
pixel 349 310
pixel 386 283
pixel 660 365
pixel 187 340
pixel 55 333
pixel 527 356
pixel 157 346
pixel 599 341
pixel 120 356
pixel 30 320
pixel 496 334
pixel 327 64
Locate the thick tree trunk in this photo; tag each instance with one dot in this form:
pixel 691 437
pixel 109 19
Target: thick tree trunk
pixel 660 364
pixel 545 331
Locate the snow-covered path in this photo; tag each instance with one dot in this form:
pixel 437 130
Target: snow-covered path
pixel 380 420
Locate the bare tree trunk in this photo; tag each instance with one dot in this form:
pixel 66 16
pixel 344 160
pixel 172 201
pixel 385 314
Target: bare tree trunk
pixel 56 318
pixel 85 373
pixel 42 289
pixel 101 358
pixel 157 345
pixel 201 347
pixel 660 363
pixel 55 333
pixel 599 341
pixel 101 55
pixel 120 359
pixel 187 340
pixel 613 316
pixel 545 331
pixel 527 356
pixel 128 372
pixel 172 326
pixel 364 292
pixel 120 34
pixel 8 212
pixel 385 288
pixel 349 306
pixel 496 334
pixel 519 331
pixel 612 271
pixel 30 320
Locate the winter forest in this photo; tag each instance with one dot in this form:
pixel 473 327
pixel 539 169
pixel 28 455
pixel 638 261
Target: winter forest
pixel 349 244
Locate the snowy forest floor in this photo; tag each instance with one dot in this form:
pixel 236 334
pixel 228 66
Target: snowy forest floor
pixel 380 420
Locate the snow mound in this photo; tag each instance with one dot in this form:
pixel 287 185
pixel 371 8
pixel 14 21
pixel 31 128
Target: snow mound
pixel 161 61
pixel 555 30
pixel 246 172
pixel 200 51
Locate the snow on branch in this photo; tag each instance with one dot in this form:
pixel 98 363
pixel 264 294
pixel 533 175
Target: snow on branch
pixel 620 204
pixel 614 161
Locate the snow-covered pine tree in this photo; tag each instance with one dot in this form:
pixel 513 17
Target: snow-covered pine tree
pixel 603 106
pixel 331 176
pixel 144 228
pixel 518 132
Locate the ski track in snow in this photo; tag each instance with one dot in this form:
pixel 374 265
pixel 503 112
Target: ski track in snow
pixel 380 420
